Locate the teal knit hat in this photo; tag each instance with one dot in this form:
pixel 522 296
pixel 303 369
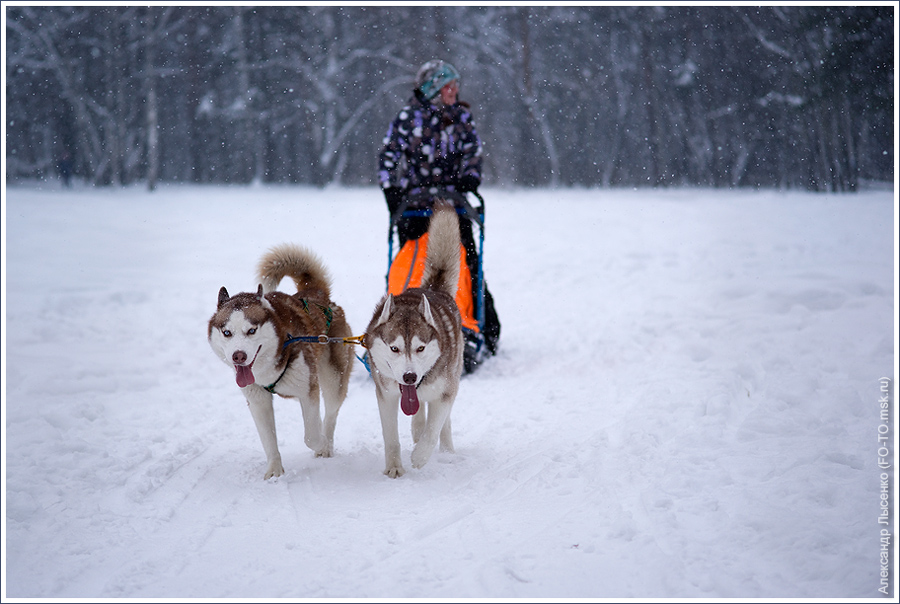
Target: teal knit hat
pixel 434 75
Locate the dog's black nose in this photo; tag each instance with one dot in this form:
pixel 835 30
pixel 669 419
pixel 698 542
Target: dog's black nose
pixel 409 378
pixel 239 357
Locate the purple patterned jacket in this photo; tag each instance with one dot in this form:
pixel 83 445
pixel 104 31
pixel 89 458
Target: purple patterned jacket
pixel 429 146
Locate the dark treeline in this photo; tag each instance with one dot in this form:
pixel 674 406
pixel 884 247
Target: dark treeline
pixel 790 97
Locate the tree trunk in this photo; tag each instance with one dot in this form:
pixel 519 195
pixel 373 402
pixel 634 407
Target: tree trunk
pixel 152 117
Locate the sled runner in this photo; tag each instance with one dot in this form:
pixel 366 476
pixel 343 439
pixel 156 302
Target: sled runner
pixel 406 267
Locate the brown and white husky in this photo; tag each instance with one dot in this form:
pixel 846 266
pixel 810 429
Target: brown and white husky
pixel 259 336
pixel 415 344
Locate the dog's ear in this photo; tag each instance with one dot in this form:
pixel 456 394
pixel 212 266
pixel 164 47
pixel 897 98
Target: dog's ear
pixel 425 309
pixel 262 299
pixel 223 296
pixel 386 310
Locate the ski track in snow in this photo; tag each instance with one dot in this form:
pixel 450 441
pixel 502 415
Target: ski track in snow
pixel 685 402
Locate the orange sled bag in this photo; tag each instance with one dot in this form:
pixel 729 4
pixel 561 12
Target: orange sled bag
pixel 409 265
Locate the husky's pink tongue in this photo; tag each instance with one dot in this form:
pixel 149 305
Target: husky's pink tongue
pixel 244 375
pixel 409 400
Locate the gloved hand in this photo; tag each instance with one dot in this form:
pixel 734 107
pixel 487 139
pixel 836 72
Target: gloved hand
pixel 467 182
pixel 393 197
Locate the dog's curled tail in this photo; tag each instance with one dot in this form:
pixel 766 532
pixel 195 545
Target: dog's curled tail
pixel 442 261
pixel 296 262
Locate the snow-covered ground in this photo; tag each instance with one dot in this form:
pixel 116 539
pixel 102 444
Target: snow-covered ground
pixel 686 403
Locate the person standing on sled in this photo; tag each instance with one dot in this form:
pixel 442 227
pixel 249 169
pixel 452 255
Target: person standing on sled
pixel 432 144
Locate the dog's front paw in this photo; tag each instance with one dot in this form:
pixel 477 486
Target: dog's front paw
pixel 421 455
pixel 315 441
pixel 274 469
pixel 394 471
pixel 326 451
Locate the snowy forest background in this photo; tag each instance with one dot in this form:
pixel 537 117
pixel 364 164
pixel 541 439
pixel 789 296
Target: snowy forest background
pixel 790 97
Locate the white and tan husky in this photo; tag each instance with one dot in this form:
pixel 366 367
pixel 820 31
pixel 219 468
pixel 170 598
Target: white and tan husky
pixel 415 347
pixel 257 334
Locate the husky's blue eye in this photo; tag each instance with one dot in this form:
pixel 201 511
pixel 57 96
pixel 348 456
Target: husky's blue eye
pixel 226 333
pixel 251 331
pixel 394 349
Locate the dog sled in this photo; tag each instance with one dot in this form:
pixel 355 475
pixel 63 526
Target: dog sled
pixel 406 266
